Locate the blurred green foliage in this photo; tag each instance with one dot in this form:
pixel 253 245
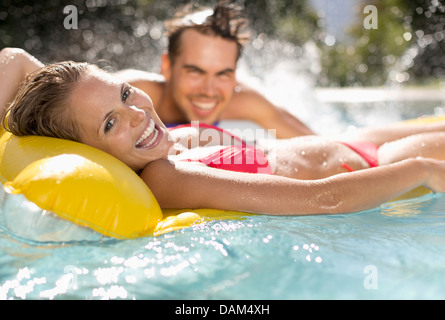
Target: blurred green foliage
pixel 290 20
pixel 407 47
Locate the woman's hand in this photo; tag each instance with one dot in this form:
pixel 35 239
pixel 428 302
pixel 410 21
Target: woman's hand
pixel 15 64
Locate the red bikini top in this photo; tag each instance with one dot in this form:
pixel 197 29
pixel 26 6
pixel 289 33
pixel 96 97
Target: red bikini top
pixel 240 158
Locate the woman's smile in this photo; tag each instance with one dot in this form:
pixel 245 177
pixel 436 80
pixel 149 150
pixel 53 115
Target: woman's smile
pixel 150 136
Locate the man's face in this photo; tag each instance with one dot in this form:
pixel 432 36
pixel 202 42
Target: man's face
pixel 202 78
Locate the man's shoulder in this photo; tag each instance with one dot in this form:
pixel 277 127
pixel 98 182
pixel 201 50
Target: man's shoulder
pixel 150 82
pixel 138 75
pixel 248 103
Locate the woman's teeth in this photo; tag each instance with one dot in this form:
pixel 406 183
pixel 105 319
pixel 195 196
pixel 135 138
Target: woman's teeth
pixel 149 131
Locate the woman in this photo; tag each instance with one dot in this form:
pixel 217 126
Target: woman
pixel 83 103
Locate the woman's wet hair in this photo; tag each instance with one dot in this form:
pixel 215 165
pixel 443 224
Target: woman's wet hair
pixel 226 20
pixel 42 105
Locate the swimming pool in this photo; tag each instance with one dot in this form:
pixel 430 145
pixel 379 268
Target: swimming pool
pixel 396 251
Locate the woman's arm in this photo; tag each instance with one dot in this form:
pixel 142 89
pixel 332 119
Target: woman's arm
pixel 181 186
pixel 15 64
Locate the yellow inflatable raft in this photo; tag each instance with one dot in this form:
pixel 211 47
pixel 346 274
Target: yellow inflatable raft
pixel 88 187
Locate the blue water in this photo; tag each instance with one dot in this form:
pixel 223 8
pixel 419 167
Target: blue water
pixel 396 251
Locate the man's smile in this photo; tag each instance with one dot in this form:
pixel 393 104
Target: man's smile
pixel 204 108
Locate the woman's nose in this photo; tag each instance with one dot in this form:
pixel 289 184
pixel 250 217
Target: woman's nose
pixel 136 115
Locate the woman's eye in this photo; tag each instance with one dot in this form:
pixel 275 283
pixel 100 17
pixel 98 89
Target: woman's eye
pixel 109 125
pixel 126 94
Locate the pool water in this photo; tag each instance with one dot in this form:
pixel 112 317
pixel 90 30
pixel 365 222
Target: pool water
pixel 396 251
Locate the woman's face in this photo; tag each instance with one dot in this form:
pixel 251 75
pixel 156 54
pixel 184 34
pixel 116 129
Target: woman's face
pixel 119 119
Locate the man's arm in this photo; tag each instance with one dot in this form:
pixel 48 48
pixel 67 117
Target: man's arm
pixel 134 75
pixel 250 105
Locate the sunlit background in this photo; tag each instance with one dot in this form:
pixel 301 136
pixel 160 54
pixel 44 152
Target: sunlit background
pixel 314 57
pixel 406 48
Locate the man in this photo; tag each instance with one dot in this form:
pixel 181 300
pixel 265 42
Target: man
pixel 199 76
pixel 199 82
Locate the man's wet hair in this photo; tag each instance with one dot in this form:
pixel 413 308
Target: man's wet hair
pixel 226 20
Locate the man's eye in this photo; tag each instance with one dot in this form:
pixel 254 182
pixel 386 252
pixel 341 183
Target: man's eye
pixel 109 125
pixel 194 71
